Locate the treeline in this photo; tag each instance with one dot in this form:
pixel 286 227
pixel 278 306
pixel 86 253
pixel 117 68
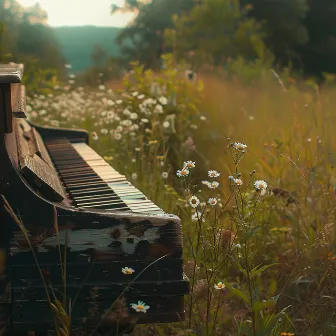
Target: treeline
pixel 26 38
pixel 299 33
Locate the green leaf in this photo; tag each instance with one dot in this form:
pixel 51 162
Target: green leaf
pixel 237 292
pixel 258 306
pixel 258 270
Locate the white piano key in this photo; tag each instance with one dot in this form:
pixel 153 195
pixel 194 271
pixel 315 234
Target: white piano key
pixel 130 195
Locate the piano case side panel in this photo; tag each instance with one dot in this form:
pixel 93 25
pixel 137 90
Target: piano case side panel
pixel 5 288
pixel 98 248
pixel 89 313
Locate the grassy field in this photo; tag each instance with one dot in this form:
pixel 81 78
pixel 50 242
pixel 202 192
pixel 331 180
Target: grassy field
pixel 262 260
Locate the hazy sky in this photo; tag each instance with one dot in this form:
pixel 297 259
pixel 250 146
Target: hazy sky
pixel 81 12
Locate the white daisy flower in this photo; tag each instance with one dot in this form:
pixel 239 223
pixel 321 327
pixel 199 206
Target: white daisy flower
pixel 164 175
pixel 134 116
pixel 213 173
pixel 163 100
pixel 212 201
pixel 104 131
pixel 135 93
pixel 119 101
pixel 94 136
pixel 140 307
pixel 194 201
pixel 213 185
pixel 239 146
pixel 144 120
pixel 189 164
pixel 196 216
pixel 134 176
pixel 260 185
pixel 238 182
pixel 166 124
pixel 207 183
pixel 127 270
pixel 142 96
pixel 101 87
pixel 203 118
pixel 182 173
pixel 117 136
pixel 220 285
pixel 158 109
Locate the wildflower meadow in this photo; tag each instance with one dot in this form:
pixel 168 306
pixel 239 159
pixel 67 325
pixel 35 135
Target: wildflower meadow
pixel 248 166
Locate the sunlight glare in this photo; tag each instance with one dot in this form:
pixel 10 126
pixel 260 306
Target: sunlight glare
pixel 82 12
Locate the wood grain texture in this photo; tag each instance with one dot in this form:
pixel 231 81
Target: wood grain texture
pixel 36 170
pixel 18 101
pixel 11 73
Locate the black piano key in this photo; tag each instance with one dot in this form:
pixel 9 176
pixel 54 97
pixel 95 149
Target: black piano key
pixel 113 205
pixel 92 183
pixel 98 196
pixel 82 179
pixel 84 186
pixel 91 191
pixel 116 200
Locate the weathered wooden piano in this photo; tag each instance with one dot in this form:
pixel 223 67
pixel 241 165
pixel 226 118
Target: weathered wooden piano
pixel 80 213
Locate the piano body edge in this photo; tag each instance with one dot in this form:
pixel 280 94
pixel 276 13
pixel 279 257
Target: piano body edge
pixel 70 133
pixel 94 236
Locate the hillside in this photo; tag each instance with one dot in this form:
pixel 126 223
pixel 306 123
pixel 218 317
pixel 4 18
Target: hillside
pixel 77 43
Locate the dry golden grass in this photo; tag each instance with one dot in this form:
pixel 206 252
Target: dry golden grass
pixel 291 145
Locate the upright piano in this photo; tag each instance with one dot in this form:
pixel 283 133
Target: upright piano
pixel 86 224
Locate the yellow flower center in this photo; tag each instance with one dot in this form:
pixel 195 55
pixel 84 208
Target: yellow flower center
pixel 141 307
pixel 184 172
pixel 220 285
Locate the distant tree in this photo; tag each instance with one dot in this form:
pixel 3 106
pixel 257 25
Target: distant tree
pixel 10 17
pixel 217 30
pixel 284 25
pixel 319 54
pixel 143 39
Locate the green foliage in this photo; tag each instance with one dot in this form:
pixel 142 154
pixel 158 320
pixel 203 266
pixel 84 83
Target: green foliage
pixel 216 30
pixel 299 33
pixel 143 39
pixel 283 23
pixel 319 54
pixel 25 38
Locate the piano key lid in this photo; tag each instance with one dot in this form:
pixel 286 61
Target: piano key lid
pixel 12 95
pixel 11 73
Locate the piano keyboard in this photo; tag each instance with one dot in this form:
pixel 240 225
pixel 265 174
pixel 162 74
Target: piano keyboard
pixel 90 182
